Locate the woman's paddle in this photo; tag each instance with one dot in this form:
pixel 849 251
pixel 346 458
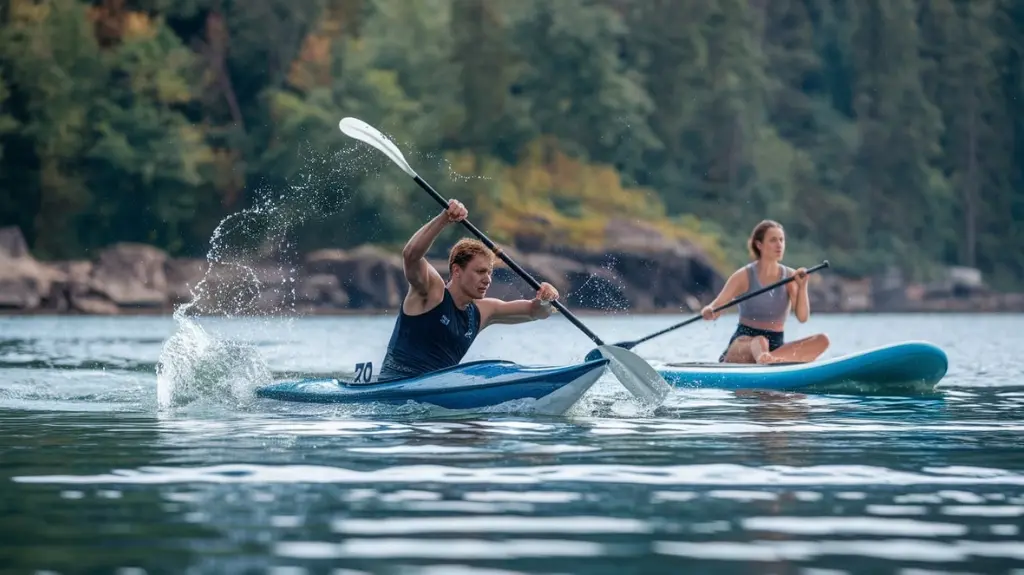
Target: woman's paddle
pixel 698 317
pixel 636 375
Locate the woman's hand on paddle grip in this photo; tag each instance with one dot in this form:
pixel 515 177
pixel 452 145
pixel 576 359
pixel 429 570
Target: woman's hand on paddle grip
pixel 708 312
pixel 800 277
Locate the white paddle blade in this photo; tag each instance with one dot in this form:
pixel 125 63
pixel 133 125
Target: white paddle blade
pixel 360 130
pixel 636 375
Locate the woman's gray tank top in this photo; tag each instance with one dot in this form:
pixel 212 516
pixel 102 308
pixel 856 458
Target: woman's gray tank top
pixel 770 306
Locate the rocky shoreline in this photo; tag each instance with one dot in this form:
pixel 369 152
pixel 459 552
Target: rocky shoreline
pixel 640 272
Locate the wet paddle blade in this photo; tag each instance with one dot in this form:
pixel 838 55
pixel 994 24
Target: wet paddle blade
pixel 360 130
pixel 596 352
pixel 636 375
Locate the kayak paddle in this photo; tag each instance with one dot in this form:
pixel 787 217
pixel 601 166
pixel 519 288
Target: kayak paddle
pixel 698 317
pixel 635 374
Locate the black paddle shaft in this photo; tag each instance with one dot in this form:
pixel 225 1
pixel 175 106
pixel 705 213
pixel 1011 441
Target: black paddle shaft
pixel 508 261
pixel 744 297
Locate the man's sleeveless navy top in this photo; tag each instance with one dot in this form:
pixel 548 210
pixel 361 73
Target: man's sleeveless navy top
pixel 430 341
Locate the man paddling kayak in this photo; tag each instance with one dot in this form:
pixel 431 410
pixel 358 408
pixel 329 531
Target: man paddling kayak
pixel 759 335
pixel 438 322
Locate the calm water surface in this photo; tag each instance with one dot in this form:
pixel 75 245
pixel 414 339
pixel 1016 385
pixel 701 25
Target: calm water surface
pixel 107 468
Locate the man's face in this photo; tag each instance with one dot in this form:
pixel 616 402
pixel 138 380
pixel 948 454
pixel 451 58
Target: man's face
pixel 475 278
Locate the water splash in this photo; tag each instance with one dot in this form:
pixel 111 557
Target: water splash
pixel 445 165
pixel 251 272
pixel 196 366
pixel 602 289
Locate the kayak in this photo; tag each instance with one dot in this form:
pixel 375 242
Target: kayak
pixel 912 367
pixel 472 385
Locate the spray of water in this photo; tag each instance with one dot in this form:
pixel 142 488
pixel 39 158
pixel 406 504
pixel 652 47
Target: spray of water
pixel 251 273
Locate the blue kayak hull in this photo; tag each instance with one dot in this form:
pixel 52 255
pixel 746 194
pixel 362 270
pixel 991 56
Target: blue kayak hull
pixel 898 369
pixel 471 385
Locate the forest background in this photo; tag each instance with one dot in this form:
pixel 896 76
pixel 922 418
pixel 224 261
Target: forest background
pixel 884 134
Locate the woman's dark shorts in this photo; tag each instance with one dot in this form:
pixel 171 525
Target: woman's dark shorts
pixel 775 338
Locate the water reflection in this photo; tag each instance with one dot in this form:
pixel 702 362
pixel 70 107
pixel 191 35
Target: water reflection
pixel 95 478
pixel 533 496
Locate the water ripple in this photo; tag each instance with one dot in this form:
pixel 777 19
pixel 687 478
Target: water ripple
pixel 96 476
pixel 716 474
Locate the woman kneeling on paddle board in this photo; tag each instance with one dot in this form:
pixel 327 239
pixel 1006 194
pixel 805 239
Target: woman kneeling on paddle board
pixel 759 335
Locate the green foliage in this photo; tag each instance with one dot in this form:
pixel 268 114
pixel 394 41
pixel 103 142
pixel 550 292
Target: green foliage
pixel 880 132
pixel 111 156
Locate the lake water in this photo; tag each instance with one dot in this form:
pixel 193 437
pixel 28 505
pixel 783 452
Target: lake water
pixel 106 468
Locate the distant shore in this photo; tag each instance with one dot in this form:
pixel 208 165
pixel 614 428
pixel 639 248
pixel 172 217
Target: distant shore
pixel 641 274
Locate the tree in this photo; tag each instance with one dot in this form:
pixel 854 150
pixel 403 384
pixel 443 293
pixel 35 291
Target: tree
pixel 905 199
pixel 99 129
pixel 579 88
